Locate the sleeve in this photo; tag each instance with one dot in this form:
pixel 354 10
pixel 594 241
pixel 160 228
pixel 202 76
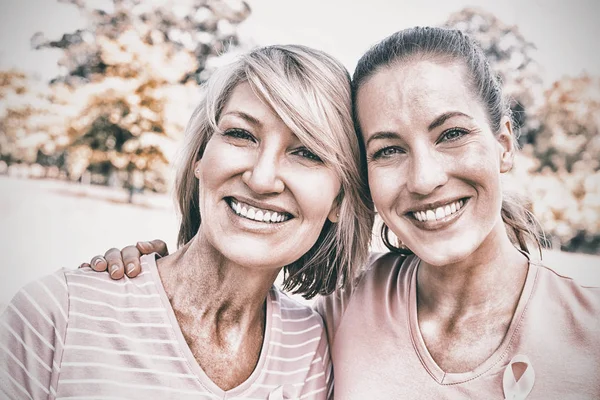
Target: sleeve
pixel 318 384
pixel 32 334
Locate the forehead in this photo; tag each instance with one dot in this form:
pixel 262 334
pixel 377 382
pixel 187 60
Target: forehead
pixel 244 99
pixel 413 94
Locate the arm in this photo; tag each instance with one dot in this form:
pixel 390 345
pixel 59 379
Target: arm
pixel 32 334
pixel 126 261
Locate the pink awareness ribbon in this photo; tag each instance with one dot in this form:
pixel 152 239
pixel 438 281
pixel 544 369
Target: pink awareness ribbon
pixel 518 389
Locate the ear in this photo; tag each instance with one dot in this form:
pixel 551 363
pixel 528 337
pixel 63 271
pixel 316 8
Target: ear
pixel 506 140
pixel 197 169
pixel 334 214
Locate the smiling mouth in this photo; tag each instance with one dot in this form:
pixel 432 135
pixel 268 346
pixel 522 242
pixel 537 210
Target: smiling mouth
pixel 257 214
pixel 438 213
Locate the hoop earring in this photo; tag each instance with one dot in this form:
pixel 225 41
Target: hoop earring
pixel 386 241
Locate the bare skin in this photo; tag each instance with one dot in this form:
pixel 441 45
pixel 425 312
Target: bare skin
pixel 464 310
pixel 220 308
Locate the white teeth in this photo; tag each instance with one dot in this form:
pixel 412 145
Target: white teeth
pixel 439 212
pixel 257 214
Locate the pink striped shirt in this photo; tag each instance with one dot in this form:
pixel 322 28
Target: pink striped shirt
pixel 77 334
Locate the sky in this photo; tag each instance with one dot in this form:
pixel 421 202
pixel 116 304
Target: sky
pixel 564 32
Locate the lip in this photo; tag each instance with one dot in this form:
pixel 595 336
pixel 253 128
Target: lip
pixel 435 204
pixel 441 223
pixel 259 204
pixel 253 226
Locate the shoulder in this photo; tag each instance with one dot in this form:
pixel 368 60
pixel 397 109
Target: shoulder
pixel 294 315
pixel 296 328
pixel 562 287
pixel 32 334
pixel 371 285
pixel 382 266
pixel 566 298
pixel 45 299
pixel 87 283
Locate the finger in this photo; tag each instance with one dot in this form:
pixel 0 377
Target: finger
pixel 84 265
pixel 98 263
pixel 115 263
pixel 131 258
pixel 155 245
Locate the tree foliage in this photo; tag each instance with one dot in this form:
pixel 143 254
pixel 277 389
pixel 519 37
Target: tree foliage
pixel 130 80
pixel 512 58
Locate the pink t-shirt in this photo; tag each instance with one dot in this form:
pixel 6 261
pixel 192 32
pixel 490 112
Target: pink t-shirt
pixel 79 334
pixel 378 351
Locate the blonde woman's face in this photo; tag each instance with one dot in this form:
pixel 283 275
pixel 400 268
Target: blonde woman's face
pixel 434 164
pixel 264 197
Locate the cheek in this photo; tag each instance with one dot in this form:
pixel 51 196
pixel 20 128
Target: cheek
pixel 219 162
pixel 480 164
pixel 315 192
pixel 384 183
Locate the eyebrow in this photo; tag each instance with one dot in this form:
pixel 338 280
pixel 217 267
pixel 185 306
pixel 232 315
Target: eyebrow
pixel 382 135
pixel 439 121
pixel 247 117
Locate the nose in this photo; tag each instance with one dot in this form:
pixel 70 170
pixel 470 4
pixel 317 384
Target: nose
pixel 263 176
pixel 427 172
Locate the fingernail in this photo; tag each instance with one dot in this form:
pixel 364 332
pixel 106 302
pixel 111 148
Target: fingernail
pixel 113 268
pixel 130 268
pixel 96 261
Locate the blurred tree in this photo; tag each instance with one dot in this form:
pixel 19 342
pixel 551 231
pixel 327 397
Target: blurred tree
pixel 567 149
pixel 28 124
pixel 131 79
pixel 569 134
pixel 511 57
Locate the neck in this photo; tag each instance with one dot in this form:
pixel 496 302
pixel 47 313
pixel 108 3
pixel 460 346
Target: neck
pixel 200 281
pixel 490 279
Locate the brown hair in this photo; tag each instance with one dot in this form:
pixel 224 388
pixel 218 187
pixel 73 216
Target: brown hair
pixel 448 45
pixel 310 91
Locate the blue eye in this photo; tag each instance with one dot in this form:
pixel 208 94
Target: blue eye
pixel 304 152
pixel 239 134
pixel 453 134
pixel 387 152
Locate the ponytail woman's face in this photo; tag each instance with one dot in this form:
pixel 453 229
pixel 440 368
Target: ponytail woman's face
pixel 434 164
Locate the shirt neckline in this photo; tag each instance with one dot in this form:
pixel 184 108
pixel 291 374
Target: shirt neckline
pixel 204 379
pixel 449 378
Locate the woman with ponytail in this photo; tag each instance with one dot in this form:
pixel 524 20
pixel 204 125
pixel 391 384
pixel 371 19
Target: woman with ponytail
pixel 457 308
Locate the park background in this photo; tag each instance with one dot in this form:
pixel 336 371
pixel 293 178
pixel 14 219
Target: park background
pixel 94 97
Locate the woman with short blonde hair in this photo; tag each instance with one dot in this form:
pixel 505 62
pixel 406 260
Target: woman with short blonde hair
pixel 270 179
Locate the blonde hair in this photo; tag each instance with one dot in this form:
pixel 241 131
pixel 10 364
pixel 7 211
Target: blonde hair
pixel 310 91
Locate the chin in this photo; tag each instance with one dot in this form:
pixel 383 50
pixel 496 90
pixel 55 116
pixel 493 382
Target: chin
pixel 257 255
pixel 439 255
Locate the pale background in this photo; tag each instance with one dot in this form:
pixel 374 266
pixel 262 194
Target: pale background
pixel 45 225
